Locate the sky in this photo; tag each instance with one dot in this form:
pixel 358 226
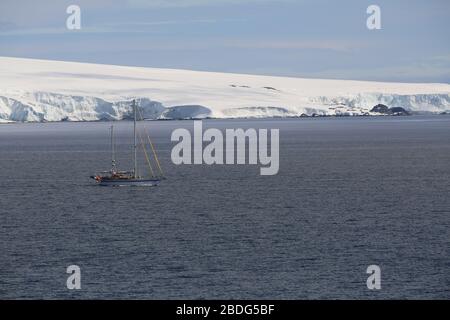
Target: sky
pixel 298 38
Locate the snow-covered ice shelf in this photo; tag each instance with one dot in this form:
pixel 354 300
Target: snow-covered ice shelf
pixel 42 90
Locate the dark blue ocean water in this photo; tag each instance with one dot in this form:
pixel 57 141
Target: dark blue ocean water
pixel 350 192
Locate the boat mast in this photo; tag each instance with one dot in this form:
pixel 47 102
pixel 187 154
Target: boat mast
pixel 113 152
pixel 135 144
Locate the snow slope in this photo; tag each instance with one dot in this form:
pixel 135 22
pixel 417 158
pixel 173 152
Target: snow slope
pixel 41 90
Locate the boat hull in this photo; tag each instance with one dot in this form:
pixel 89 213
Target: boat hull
pixel 131 182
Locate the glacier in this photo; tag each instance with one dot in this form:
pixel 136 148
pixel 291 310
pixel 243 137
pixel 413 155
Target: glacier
pixel 34 90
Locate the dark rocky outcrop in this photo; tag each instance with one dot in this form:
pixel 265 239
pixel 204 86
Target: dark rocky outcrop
pixel 394 111
pixel 380 108
pixel 399 111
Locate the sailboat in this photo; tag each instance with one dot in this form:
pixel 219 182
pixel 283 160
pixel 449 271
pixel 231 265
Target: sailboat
pixel 117 178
